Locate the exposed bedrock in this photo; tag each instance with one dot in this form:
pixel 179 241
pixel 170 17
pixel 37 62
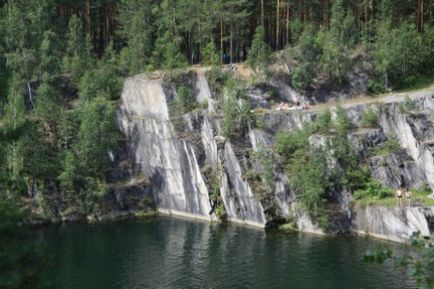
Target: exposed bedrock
pixel 184 164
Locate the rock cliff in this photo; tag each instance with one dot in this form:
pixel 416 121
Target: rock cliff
pixel 194 171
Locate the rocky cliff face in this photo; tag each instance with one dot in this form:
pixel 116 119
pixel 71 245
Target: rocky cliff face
pixel 194 171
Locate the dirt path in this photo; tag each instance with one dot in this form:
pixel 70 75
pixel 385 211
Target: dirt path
pixel 384 98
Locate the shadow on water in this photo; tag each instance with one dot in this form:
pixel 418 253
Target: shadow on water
pixel 172 253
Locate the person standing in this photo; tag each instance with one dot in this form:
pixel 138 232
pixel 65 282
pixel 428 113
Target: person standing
pixel 408 197
pixel 399 197
pixel 432 195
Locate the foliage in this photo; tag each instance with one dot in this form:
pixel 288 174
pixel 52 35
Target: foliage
pixel 259 53
pixel 215 197
pixel 331 48
pixel 230 115
pixel 309 178
pixel 77 56
pixel 392 145
pixel 21 261
pixel 166 53
pixel 318 171
pixel 373 190
pixel 324 121
pixel 236 113
pixel 102 80
pixel 210 55
pixel 419 264
pixel 370 118
pixel 290 225
pixel 342 124
pixel 135 29
pixel 398 52
pixel 184 101
pixel 96 136
pixel 308 54
pixel 407 105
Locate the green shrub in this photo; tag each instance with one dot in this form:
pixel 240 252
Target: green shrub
pixel 259 54
pixel 236 118
pixel 215 197
pixel 251 176
pixel 290 225
pixel 407 105
pixel 258 121
pixel 184 101
pixel 309 177
pixel 204 104
pixel 288 143
pixel 324 121
pixel 375 85
pixel 342 124
pixel 370 118
pixel 230 116
pixel 373 190
pixel 392 145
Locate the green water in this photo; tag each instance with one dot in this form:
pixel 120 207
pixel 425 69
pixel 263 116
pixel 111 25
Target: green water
pixel 173 253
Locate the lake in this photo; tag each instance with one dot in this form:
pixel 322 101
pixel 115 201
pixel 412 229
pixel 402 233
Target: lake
pixel 166 252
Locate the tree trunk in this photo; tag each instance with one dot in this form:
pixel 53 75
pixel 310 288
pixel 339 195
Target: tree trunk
pixel 262 14
pixel 231 46
pixel 106 27
pixel 366 12
pixel 88 16
pixel 356 12
pixel 221 40
pixel 287 22
pixel 277 23
pixel 270 36
pixel 326 13
pixel 422 18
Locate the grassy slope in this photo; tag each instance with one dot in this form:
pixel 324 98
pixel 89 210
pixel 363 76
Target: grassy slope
pixel 418 197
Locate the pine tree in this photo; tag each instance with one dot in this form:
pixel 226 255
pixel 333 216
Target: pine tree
pixel 97 135
pixel 259 53
pixel 77 57
pixel 136 28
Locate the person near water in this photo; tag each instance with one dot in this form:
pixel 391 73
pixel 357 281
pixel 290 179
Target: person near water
pixel 408 197
pixel 399 197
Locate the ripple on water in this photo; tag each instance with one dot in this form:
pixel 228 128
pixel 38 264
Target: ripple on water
pixel 172 253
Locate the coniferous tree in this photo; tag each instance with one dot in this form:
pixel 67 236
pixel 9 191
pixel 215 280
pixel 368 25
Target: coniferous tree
pixel 259 53
pixel 136 28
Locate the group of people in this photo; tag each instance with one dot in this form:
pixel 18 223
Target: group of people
pixel 403 193
pixel 294 106
pixel 407 194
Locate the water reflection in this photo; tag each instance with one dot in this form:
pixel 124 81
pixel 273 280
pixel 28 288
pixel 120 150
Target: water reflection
pixel 173 253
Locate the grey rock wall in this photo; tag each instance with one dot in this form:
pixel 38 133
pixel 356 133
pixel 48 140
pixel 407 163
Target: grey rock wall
pixel 174 161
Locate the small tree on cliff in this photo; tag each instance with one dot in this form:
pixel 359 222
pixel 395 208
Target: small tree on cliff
pixel 259 53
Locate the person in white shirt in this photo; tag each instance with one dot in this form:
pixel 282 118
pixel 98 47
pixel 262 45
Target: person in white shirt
pixel 398 197
pixel 408 197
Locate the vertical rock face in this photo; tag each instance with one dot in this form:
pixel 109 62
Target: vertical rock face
pixel 240 202
pixel 177 159
pixel 415 132
pixel 169 163
pixel 173 163
pixel 395 224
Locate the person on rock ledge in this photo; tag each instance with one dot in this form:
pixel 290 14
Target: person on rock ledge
pixel 408 197
pixel 432 195
pixel 399 197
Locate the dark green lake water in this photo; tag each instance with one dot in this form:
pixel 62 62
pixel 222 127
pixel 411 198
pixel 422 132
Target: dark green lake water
pixel 174 253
